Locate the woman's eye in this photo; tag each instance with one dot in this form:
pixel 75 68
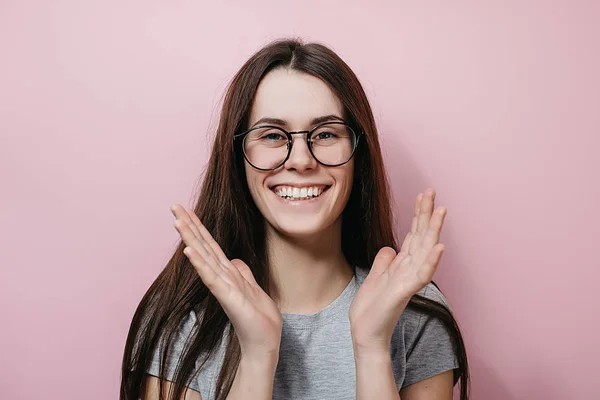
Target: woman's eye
pixel 325 135
pixel 273 136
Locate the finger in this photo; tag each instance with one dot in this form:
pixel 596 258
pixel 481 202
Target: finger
pixel 382 261
pixel 427 270
pixel 225 293
pixel 187 216
pixel 414 223
pixel 183 223
pixel 426 208
pixel 405 248
pixel 182 213
pixel 417 208
pixel 190 240
pixel 207 274
pixel 207 237
pixel 211 279
pixel 432 236
pixel 423 218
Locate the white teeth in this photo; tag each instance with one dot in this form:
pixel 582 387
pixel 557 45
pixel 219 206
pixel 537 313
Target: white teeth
pixel 294 193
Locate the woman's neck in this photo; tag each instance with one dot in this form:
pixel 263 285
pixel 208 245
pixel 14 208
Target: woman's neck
pixel 307 273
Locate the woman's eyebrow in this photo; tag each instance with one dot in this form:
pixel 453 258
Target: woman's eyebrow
pixel 283 122
pixel 326 118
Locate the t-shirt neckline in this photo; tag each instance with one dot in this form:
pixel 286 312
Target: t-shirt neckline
pixel 303 321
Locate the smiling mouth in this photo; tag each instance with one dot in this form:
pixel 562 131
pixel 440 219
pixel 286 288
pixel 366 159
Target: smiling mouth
pixel 299 193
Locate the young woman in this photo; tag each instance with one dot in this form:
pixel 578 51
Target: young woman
pixel 288 282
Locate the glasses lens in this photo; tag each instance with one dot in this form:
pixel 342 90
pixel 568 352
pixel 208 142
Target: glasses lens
pixel 265 147
pixel 333 143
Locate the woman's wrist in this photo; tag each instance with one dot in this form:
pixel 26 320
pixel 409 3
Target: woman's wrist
pixel 372 355
pixel 260 363
pixel 254 378
pixel 375 376
pixel 371 347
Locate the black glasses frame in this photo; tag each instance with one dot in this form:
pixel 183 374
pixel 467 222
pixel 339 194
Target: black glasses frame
pixel 290 142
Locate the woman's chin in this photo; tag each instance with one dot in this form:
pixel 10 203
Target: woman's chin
pixel 298 229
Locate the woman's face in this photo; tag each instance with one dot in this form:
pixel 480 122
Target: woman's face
pixel 297 99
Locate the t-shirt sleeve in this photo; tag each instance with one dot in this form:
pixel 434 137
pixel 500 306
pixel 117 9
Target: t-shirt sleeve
pixel 175 352
pixel 431 351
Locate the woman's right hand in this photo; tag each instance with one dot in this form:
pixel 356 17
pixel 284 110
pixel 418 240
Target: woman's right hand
pixel 254 315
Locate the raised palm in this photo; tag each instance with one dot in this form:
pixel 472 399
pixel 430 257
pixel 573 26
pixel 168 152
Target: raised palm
pixel 254 315
pixel 395 278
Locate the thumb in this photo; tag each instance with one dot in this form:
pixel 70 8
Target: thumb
pixel 382 261
pixel 244 270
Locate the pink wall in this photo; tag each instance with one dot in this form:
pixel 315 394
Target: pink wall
pixel 104 111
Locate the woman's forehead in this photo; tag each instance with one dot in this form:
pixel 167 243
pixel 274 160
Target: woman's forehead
pixel 294 97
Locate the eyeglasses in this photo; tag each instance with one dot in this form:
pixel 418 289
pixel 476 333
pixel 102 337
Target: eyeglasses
pixel 268 147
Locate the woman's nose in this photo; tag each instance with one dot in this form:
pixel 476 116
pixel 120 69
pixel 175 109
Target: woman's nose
pixel 300 157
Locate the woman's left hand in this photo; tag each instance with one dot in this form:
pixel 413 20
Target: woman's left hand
pixel 395 278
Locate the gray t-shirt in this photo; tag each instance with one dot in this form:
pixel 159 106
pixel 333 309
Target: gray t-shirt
pixel 316 359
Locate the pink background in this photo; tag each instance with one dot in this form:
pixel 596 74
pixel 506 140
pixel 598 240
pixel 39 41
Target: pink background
pixel 105 107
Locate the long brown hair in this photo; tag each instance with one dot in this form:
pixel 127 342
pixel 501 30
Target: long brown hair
pixel 228 212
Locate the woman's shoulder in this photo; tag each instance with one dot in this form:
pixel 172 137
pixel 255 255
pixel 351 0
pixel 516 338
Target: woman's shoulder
pixel 432 292
pixel 210 362
pixel 424 328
